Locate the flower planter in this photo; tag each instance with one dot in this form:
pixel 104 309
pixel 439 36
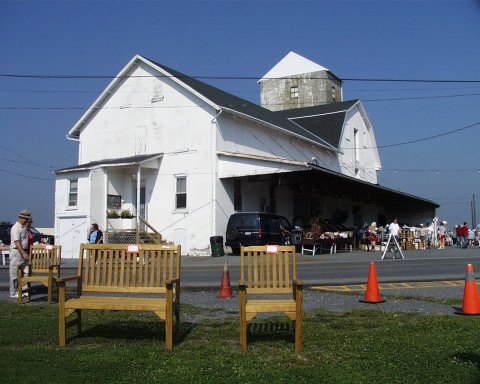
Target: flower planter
pixel 122 223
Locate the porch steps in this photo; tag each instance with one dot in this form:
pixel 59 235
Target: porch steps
pixel 129 237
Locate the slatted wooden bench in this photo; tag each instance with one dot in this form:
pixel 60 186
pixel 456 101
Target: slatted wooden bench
pixel 43 267
pixel 270 270
pixel 124 277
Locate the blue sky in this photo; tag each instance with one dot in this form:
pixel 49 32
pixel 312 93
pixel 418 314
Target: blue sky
pixel 422 40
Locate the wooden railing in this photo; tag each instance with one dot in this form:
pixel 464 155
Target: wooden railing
pixel 143 230
pixel 147 234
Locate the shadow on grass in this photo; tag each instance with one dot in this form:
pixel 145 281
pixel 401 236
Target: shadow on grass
pixel 132 331
pixel 270 331
pixel 468 358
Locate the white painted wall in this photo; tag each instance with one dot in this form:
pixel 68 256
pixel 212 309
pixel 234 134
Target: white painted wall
pixel 148 115
pixel 244 137
pixel 367 154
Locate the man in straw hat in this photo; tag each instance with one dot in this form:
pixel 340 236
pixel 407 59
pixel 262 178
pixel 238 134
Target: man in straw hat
pixel 18 249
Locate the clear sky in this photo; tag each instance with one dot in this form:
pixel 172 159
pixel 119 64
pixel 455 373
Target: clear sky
pixel 380 40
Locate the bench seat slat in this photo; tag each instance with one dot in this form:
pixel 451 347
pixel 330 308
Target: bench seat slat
pixel 102 288
pixel 271 306
pixel 117 303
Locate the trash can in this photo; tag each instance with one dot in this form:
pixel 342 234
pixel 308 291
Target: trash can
pixel 216 243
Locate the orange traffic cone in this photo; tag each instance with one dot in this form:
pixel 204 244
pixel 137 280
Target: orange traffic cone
pixel 471 300
pixel 372 295
pixel 225 288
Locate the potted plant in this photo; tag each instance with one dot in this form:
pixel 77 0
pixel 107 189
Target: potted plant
pixel 113 214
pixel 126 214
pixel 121 220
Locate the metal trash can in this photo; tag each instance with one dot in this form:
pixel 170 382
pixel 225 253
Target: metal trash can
pixel 216 244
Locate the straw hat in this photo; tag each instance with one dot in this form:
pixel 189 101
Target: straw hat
pixel 25 214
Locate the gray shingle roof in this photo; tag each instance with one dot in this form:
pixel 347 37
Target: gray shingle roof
pixel 325 121
pixel 309 129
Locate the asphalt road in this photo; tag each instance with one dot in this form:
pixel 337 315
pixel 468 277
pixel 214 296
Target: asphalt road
pixel 337 269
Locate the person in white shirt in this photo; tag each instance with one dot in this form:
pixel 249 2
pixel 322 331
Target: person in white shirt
pixel 394 230
pixel 19 253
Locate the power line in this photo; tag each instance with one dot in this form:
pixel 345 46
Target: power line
pixel 420 140
pixel 27 160
pixel 34 108
pixel 209 77
pixel 422 97
pixel 27 163
pixel 25 176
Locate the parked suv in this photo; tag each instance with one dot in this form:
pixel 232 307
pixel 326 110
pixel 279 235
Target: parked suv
pixel 258 228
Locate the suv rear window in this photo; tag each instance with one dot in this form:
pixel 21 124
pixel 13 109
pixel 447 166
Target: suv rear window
pixel 244 221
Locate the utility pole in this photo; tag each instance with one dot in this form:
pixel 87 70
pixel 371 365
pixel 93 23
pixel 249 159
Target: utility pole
pixel 474 213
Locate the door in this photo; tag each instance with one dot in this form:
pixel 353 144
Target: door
pixel 72 231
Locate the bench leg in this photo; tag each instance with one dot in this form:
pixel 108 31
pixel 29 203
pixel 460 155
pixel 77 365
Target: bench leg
pixel 62 325
pixel 79 321
pixel 49 288
pixel 168 333
pixel 298 334
pixel 243 329
pixel 177 319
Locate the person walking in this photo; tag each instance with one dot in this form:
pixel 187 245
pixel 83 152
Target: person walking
pixel 18 250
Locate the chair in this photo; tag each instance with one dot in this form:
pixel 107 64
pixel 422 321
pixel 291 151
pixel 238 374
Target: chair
pixel 43 267
pixel 309 246
pixel 270 270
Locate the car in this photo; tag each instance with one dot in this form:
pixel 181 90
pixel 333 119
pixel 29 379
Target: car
pixel 37 236
pixel 260 228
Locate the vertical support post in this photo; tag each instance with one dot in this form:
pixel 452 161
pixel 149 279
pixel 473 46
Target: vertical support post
pixel 137 208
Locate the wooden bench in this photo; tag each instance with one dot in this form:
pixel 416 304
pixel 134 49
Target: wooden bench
pixel 270 270
pixel 43 267
pixel 124 277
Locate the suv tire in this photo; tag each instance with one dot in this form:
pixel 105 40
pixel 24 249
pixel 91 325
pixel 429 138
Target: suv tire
pixel 231 233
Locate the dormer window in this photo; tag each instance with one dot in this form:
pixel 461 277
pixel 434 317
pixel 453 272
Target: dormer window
pixel 294 92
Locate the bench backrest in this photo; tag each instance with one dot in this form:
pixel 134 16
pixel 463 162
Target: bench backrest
pixel 268 269
pixel 44 256
pixel 142 268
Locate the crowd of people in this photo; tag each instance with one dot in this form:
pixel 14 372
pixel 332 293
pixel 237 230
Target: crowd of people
pixel 425 236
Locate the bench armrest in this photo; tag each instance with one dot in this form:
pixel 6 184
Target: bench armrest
pixel 169 285
pixel 298 291
pixel 63 280
pixel 298 283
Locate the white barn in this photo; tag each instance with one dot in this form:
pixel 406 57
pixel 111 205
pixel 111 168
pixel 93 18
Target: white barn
pixel 182 156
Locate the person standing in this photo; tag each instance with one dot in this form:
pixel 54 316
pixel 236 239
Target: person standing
pixel 394 230
pixel 471 236
pixel 96 235
pixel 429 234
pixel 442 234
pixel 30 237
pixel 18 250
pixel 458 231
pixel 465 235
pixel 422 233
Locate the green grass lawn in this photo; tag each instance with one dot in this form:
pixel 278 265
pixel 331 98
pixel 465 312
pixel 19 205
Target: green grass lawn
pixel 127 347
